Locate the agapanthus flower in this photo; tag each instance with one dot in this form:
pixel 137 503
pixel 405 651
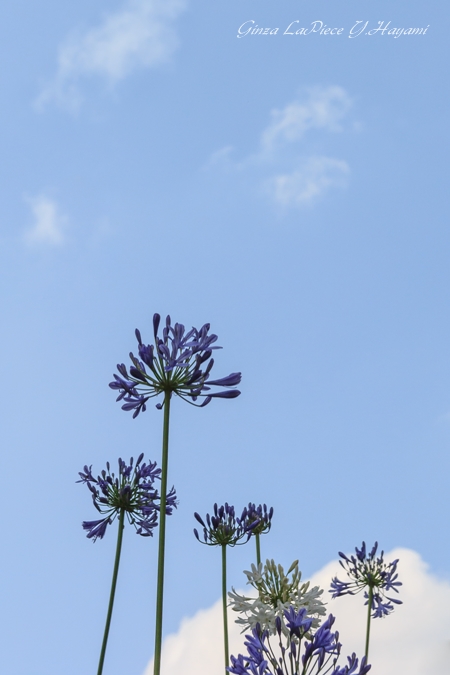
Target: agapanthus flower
pixel 223 528
pixel 298 652
pixel 371 575
pixel 180 362
pixel 132 491
pixel 253 513
pixel 277 593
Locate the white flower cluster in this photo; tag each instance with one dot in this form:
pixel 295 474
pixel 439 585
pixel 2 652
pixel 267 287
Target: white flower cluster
pixel 276 593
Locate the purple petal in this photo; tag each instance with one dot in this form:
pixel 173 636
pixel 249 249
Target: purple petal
pixel 229 381
pixel 156 320
pixel 234 393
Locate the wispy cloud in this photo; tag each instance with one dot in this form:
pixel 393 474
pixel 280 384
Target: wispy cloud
pixel 325 108
pixel 290 176
pixel 49 223
pixel 308 182
pixel 414 640
pixel 139 35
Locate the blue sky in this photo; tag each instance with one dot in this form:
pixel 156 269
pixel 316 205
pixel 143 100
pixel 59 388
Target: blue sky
pixel 290 190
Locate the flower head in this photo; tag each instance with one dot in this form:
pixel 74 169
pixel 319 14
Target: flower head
pixel 253 513
pixel 179 362
pixel 298 653
pixel 223 528
pixel 131 491
pixel 277 593
pixel 371 575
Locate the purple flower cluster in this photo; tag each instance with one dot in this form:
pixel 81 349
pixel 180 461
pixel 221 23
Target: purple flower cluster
pixel 318 653
pixel 131 491
pixel 253 513
pixel 223 528
pixel 368 572
pixel 180 362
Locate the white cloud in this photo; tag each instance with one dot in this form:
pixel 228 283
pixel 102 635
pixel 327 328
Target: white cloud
pixel 49 223
pixel 324 109
pixel 140 34
pixel 291 179
pixel 221 158
pixel 308 182
pixel 198 645
pixel 415 639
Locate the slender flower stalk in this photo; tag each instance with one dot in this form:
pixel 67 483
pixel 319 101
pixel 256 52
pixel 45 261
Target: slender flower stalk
pixel 258 549
pixel 113 591
pixel 131 492
pixel 224 605
pixel 162 538
pixel 224 529
pixel 253 513
pixel 369 612
pixel 373 576
pixel 177 363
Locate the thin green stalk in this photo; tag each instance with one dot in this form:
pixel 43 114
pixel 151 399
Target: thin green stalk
pixel 224 602
pixel 162 537
pixel 258 549
pixel 369 610
pixel 113 591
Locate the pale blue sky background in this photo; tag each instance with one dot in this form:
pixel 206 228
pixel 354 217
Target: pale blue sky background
pixel 290 190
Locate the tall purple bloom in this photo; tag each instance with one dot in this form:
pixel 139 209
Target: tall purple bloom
pixel 132 491
pixel 179 362
pixel 368 573
pixel 224 529
pixel 373 576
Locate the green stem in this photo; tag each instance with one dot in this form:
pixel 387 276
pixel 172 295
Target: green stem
pixel 162 537
pixel 258 549
pixel 113 591
pixel 369 610
pixel 224 602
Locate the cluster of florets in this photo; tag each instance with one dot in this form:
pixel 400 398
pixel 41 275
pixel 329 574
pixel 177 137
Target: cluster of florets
pixel 277 593
pixel 372 575
pixel 179 363
pixel 298 653
pixel 131 491
pixel 223 528
pixel 253 513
